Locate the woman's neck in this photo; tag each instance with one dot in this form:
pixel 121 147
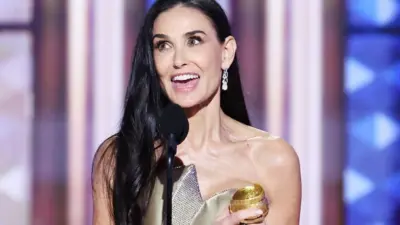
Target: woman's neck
pixel 205 125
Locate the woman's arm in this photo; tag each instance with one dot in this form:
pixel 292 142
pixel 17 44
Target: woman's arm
pixel 279 173
pixel 103 166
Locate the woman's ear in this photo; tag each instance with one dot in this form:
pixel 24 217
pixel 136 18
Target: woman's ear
pixel 229 52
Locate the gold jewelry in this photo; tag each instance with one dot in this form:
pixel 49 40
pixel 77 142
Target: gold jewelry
pixel 252 196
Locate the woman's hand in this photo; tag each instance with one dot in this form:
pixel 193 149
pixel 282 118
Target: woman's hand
pixel 228 218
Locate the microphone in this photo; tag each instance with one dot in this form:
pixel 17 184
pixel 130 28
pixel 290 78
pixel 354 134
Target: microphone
pixel 173 122
pixel 174 126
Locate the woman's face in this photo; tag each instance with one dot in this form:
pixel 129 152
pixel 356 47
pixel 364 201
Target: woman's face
pixel 188 56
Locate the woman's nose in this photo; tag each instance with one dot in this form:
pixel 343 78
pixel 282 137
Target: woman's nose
pixel 180 59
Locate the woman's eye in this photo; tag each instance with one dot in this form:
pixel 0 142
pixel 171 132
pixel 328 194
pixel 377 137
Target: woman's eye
pixel 194 41
pixel 161 46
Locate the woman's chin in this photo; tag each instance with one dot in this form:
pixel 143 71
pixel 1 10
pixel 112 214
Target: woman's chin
pixel 187 104
pixel 194 102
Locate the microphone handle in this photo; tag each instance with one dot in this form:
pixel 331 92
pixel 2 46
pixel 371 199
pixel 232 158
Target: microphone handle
pixel 170 164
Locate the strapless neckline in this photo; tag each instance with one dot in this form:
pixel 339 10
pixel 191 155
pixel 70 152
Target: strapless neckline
pixel 191 169
pixel 188 205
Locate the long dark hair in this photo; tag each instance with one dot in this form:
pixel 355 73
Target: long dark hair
pixel 134 151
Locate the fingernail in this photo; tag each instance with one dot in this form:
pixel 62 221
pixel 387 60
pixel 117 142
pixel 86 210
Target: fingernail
pixel 259 212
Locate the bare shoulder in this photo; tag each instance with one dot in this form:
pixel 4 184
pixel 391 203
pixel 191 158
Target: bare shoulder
pixel 276 166
pixel 267 151
pixel 104 163
pixel 273 153
pixel 102 180
pixel 105 152
pixel 272 150
pixel 278 171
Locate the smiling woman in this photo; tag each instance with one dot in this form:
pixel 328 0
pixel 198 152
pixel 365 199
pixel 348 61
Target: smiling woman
pixel 185 54
pixel 194 49
pixel 183 81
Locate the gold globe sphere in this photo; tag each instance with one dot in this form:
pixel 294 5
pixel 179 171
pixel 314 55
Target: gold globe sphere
pixel 252 196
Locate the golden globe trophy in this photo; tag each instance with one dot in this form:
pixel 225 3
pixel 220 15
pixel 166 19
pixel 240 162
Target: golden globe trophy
pixel 252 196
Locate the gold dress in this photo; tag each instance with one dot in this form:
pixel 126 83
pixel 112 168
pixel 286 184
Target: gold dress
pixel 188 206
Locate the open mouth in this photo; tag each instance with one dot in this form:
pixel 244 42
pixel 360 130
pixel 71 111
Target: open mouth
pixel 185 82
pixel 185 78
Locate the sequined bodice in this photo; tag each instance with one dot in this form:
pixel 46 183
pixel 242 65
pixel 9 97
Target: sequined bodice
pixel 188 206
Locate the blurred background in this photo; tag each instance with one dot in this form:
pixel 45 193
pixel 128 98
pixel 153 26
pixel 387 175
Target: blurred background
pixel 323 74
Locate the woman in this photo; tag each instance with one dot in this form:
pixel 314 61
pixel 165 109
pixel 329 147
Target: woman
pixel 185 54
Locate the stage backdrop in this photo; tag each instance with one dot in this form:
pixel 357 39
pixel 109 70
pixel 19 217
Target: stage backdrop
pixel 64 66
pixel 372 88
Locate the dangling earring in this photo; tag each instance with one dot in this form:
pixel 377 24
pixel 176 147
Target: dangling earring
pixel 225 80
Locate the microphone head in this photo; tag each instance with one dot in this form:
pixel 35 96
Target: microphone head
pixel 174 121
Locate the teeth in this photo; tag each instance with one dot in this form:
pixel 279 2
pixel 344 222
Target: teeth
pixel 184 77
